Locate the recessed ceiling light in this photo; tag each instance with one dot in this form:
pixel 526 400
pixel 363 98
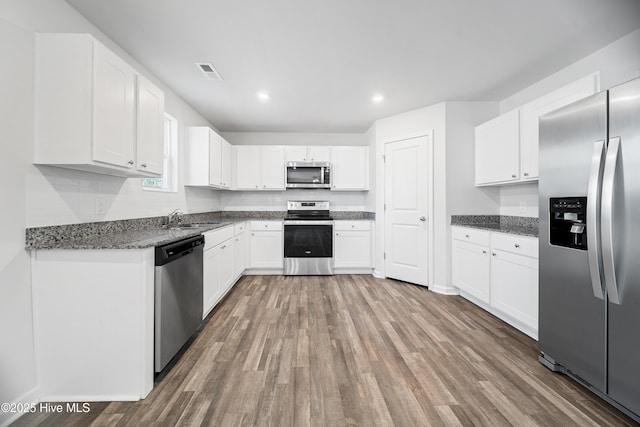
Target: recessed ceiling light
pixel 377 98
pixel 263 96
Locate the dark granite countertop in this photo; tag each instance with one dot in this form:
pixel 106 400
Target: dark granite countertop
pixel 518 225
pixel 132 239
pixel 142 233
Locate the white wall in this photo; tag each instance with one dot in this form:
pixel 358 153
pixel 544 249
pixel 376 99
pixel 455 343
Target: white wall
pixel 294 138
pixel 36 196
pixel 277 200
pixel 452 126
pixel 370 201
pixel 617 63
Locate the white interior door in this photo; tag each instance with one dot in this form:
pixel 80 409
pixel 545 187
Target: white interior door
pixel 406 202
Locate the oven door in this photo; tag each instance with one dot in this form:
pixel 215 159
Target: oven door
pixel 308 239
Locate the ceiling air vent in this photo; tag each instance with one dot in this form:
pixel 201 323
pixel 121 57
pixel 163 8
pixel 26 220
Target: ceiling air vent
pixel 209 70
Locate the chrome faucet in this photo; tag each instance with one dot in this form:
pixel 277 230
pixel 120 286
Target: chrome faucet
pixel 174 218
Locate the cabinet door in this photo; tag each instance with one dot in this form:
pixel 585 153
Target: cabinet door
pixel 531 112
pixel 318 154
pixel 273 168
pixel 470 268
pixel 226 164
pixel 247 167
pixel 295 153
pixel 239 254
pixel 266 249
pixel 113 109
pixel 514 286
pixel 226 267
pixel 215 159
pixel 211 279
pixel 498 149
pixel 352 249
pixel 350 168
pixel 150 128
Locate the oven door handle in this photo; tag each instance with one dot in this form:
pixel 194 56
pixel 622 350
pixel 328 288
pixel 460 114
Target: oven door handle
pixel 307 222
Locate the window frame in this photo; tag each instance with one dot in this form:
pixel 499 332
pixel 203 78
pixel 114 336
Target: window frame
pixel 170 155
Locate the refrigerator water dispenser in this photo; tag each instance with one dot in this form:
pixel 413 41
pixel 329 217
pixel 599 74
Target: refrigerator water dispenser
pixel 567 220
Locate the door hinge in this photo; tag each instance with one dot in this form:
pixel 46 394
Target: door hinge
pixel 385 206
pixel 384 255
pixel 384 158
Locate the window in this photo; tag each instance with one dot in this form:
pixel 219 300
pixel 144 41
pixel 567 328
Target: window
pixel 169 181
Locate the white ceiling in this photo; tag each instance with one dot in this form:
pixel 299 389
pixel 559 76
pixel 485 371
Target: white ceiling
pixel 322 61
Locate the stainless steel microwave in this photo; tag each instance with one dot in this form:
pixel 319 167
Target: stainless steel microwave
pixel 308 175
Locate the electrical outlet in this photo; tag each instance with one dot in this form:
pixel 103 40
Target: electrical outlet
pixel 523 206
pixel 101 206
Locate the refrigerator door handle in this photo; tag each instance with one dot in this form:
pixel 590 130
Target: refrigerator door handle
pixel 593 195
pixel 607 219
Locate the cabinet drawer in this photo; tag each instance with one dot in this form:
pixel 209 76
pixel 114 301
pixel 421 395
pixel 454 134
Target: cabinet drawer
pixel 471 235
pixel 266 225
pixel 215 237
pixel 521 245
pixel 352 225
pixel 239 228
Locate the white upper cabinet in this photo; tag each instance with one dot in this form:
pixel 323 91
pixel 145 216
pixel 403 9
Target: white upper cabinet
pixel 532 111
pixel 498 149
pixel 150 127
pixel 350 168
pixel 507 146
pixel 226 166
pixel 88 113
pixel 259 167
pixel 208 159
pixel 312 153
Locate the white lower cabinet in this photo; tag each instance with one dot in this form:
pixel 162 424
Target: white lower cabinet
pixel 514 286
pixel 93 324
pixel 352 245
pixel 218 267
pixel 266 245
pixel 498 272
pixel 239 249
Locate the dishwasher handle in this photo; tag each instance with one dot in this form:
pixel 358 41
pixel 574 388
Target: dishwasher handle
pixel 176 250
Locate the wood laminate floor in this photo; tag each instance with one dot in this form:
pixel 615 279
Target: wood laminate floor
pixel 352 350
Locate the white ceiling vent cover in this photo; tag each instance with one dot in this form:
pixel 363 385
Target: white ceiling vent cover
pixel 209 70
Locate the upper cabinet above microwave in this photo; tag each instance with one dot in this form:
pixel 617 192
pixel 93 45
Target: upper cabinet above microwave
pixel 312 153
pixel 94 112
pixel 507 146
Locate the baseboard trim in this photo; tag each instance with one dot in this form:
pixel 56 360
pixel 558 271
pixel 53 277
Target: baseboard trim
pixel 30 397
pixel 444 290
pixel 378 275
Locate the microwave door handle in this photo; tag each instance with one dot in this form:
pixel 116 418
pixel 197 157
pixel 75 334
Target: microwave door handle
pixel 593 240
pixel 322 175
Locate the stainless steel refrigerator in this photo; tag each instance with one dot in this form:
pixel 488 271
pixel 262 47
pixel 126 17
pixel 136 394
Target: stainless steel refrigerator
pixel 589 188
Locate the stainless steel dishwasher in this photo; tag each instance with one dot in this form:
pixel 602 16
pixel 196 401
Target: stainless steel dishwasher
pixel 178 296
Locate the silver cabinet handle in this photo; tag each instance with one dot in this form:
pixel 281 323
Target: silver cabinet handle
pixel 423 218
pixel 516 245
pixel 466 235
pixel 513 176
pixel 607 219
pixel 493 254
pixel 484 252
pixel 130 162
pixel 526 174
pixel 144 165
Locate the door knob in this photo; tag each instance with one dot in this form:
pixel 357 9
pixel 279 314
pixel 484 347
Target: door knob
pixel 423 218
